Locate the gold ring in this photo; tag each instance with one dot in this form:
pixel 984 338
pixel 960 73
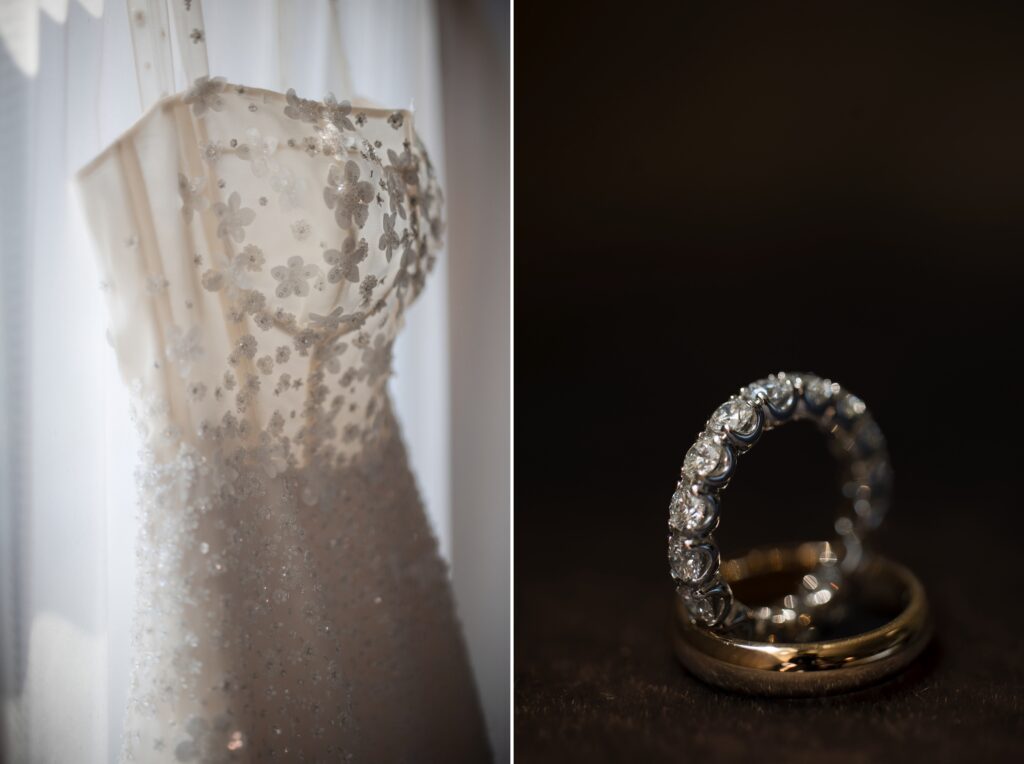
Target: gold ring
pixel 840 663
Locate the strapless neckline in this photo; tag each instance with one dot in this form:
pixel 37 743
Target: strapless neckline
pixel 267 94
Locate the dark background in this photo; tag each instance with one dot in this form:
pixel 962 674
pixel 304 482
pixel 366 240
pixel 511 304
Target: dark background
pixel 706 193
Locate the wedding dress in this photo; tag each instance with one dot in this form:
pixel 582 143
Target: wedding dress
pixel 258 252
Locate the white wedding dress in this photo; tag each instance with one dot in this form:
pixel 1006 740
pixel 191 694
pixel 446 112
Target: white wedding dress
pixel 258 251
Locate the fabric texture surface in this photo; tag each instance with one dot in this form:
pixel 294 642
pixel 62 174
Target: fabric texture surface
pixel 258 251
pixel 596 679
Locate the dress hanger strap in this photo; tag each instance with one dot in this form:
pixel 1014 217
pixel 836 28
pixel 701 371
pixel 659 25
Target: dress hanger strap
pixel 191 36
pixel 151 42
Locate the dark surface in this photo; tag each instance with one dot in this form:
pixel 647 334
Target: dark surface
pixel 854 176
pixel 595 679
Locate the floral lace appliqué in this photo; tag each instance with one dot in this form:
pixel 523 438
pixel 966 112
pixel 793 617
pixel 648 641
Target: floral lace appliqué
pixel 347 195
pixel 233 218
pixel 294 277
pixel 206 95
pixel 346 262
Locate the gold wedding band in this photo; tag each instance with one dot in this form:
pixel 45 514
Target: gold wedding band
pixel 832 665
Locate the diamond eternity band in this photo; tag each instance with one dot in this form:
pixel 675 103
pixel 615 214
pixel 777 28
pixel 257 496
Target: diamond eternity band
pixel 734 427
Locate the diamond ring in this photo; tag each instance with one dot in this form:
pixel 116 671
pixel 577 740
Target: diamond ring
pixel 735 427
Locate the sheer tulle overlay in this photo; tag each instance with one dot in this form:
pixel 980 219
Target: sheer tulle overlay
pixel 258 251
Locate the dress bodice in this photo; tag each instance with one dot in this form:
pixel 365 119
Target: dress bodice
pixel 258 251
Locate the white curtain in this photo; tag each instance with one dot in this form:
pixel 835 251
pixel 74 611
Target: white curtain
pixel 68 448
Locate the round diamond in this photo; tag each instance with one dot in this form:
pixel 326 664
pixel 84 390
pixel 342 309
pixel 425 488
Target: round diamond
pixel 706 607
pixel 688 564
pixel 736 415
pixel 703 458
pixel 851 406
pixel 818 391
pixel 688 512
pixel 703 609
pixel 779 391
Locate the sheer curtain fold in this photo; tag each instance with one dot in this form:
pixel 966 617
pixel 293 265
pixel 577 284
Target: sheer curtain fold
pixel 69 447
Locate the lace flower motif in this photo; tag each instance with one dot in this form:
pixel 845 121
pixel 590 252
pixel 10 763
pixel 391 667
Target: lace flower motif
pixel 338 113
pixel 329 354
pixel 346 262
pixel 332 141
pixel 377 359
pixel 252 257
pixel 289 189
pixel 301 109
pixel 366 289
pixel 389 240
pixel 236 280
pixel 405 166
pixel 293 277
pixel 403 278
pixel 347 195
pixel 258 151
pixel 213 280
pixel 233 218
pixel 396 191
pixel 192 199
pixel 247 346
pixel 206 95
pixel 254 303
pixel 211 151
pixel 183 348
pixel 331 110
pixel 237 276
